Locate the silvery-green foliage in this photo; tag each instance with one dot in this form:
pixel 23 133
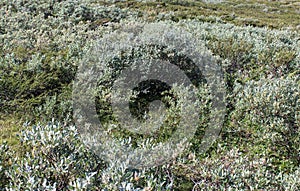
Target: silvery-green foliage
pixel 252 52
pixel 271 99
pixel 57 160
pixel 234 170
pixel 5 163
pixel 41 44
pixel 270 108
pixel 104 67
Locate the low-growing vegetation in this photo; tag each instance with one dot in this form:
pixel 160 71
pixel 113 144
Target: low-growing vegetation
pixel 255 43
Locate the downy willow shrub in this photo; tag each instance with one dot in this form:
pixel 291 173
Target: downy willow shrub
pixel 269 108
pixel 57 160
pixel 5 163
pixel 251 52
pixel 41 44
pixel 233 170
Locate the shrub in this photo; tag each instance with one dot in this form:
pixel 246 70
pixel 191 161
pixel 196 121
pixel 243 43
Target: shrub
pixel 270 108
pixel 57 160
pixel 41 46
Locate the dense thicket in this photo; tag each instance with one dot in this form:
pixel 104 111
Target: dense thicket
pixel 41 46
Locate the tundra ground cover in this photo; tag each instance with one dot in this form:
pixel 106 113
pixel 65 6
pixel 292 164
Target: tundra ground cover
pixel 256 44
